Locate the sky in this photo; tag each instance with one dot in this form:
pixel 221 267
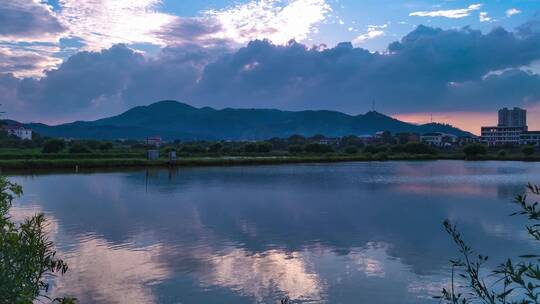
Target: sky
pixel 454 60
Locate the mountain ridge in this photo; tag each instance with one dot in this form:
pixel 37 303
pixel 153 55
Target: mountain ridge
pixel 176 120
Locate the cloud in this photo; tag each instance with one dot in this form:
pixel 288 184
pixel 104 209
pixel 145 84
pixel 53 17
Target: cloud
pixel 374 31
pixel 27 61
pixel 29 32
pixel 129 271
pixel 511 12
pixel 28 20
pixel 258 275
pixel 429 68
pixel 454 13
pixel 81 82
pixel 416 72
pixel 197 30
pixel 484 17
pixel 102 23
pixel 269 19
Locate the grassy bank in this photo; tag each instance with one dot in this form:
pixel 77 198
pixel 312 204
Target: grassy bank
pixel 64 163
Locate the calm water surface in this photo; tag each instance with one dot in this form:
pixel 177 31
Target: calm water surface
pixel 318 233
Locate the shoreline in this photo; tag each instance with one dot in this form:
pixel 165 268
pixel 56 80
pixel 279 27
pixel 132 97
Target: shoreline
pixel 104 163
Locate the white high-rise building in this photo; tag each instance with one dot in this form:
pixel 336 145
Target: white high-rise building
pixel 512 123
pixel 516 117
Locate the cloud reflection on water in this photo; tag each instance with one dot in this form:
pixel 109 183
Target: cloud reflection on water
pixel 321 233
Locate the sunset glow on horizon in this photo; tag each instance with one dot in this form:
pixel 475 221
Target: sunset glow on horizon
pixel 468 121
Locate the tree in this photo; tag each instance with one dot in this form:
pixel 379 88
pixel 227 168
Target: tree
pixel 403 138
pixel 264 147
pixel 387 138
pixel 215 148
pixel 278 143
pixel 527 150
pixel 53 146
pixel 513 282
pixel 91 144
pixel 351 150
pixel 318 148
pixel 373 149
pixel 296 139
pixel 78 148
pixel 295 149
pixel 105 146
pixel 250 148
pixel 474 150
pixel 27 256
pixel 351 140
pixel 193 148
pixel 419 148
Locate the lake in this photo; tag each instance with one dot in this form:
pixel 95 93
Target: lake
pixel 318 233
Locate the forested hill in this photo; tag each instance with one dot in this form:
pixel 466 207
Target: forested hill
pixel 176 120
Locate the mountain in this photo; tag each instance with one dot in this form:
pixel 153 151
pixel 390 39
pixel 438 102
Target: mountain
pixel 176 120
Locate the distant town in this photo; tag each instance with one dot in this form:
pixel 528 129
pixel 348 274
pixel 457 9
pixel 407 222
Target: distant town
pixel 511 130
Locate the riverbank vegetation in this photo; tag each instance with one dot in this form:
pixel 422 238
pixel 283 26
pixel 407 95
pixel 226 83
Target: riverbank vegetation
pixel 513 281
pixel 27 256
pixel 60 153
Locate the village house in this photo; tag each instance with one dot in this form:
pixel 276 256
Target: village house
pixel 19 131
pixel 439 139
pixel 155 141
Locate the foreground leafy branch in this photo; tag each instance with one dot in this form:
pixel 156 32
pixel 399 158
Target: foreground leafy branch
pixel 511 282
pixel 27 256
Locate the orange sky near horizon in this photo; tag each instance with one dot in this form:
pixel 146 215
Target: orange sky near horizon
pixel 468 121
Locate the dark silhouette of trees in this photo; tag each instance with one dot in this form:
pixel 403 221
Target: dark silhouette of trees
pixel 53 146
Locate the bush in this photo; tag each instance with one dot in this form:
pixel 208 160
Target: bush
pixel 474 150
pixel 79 148
pixel 27 256
pixel 215 148
pixel 527 150
pixel 374 149
pixel 92 144
pixel 419 148
pixel 502 153
pixel 351 150
pixel 295 149
pixel 318 148
pixel 105 146
pixel 381 156
pixel 398 149
pixel 193 149
pixel 227 149
pixel 351 140
pixel 250 148
pixel 53 146
pixel 511 282
pixel 264 147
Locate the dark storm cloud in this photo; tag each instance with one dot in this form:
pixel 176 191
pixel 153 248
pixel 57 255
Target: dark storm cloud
pixel 26 19
pixel 496 90
pixel 428 70
pixel 416 73
pixel 174 74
